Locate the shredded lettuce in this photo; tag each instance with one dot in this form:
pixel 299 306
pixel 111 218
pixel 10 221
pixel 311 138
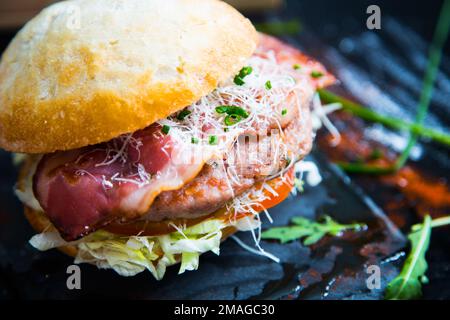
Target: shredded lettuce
pixel 189 261
pixel 131 255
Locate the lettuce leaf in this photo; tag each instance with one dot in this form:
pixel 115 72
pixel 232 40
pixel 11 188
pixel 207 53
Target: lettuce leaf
pixel 131 255
pixel 189 261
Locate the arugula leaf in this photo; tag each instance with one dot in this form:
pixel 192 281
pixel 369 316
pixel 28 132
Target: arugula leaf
pixel 408 284
pixel 311 231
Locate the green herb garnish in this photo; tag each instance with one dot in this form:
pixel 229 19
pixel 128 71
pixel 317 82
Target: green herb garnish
pixel 232 119
pixel 183 114
pixel 296 66
pixel 232 110
pixel 439 222
pixel 213 140
pixel 268 85
pixel 165 129
pixel 278 28
pixel 408 284
pixel 194 140
pixel 245 71
pixel 316 74
pixel 311 231
pixel 239 81
pixel 376 154
pixel 283 112
pixel 222 109
pixel 234 114
pixel 239 78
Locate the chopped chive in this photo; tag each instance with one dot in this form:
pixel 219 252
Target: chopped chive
pixel 245 71
pixel 316 74
pixel 213 140
pixel 297 66
pixel 194 140
pixel 183 114
pixel 232 119
pixel 165 129
pixel 230 110
pixel 239 78
pixel 222 109
pixel 268 85
pixel 225 129
pixel 283 112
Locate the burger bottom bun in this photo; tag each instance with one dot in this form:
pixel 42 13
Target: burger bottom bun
pixel 40 223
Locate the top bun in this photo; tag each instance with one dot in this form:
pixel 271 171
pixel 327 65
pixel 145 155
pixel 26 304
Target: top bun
pixel 85 71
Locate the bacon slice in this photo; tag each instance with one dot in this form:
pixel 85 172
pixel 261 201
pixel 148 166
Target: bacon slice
pixel 80 191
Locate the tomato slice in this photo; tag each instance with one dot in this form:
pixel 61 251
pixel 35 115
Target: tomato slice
pixel 282 189
pixel 151 228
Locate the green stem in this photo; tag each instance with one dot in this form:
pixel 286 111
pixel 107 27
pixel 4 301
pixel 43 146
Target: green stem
pixel 279 28
pixel 365 168
pixel 391 122
pixel 439 222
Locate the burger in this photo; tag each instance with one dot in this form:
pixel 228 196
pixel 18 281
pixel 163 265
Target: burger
pixel 149 131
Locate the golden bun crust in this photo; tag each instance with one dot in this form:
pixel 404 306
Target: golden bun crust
pixel 85 71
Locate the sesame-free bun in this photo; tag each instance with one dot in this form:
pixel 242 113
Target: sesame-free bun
pixel 85 71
